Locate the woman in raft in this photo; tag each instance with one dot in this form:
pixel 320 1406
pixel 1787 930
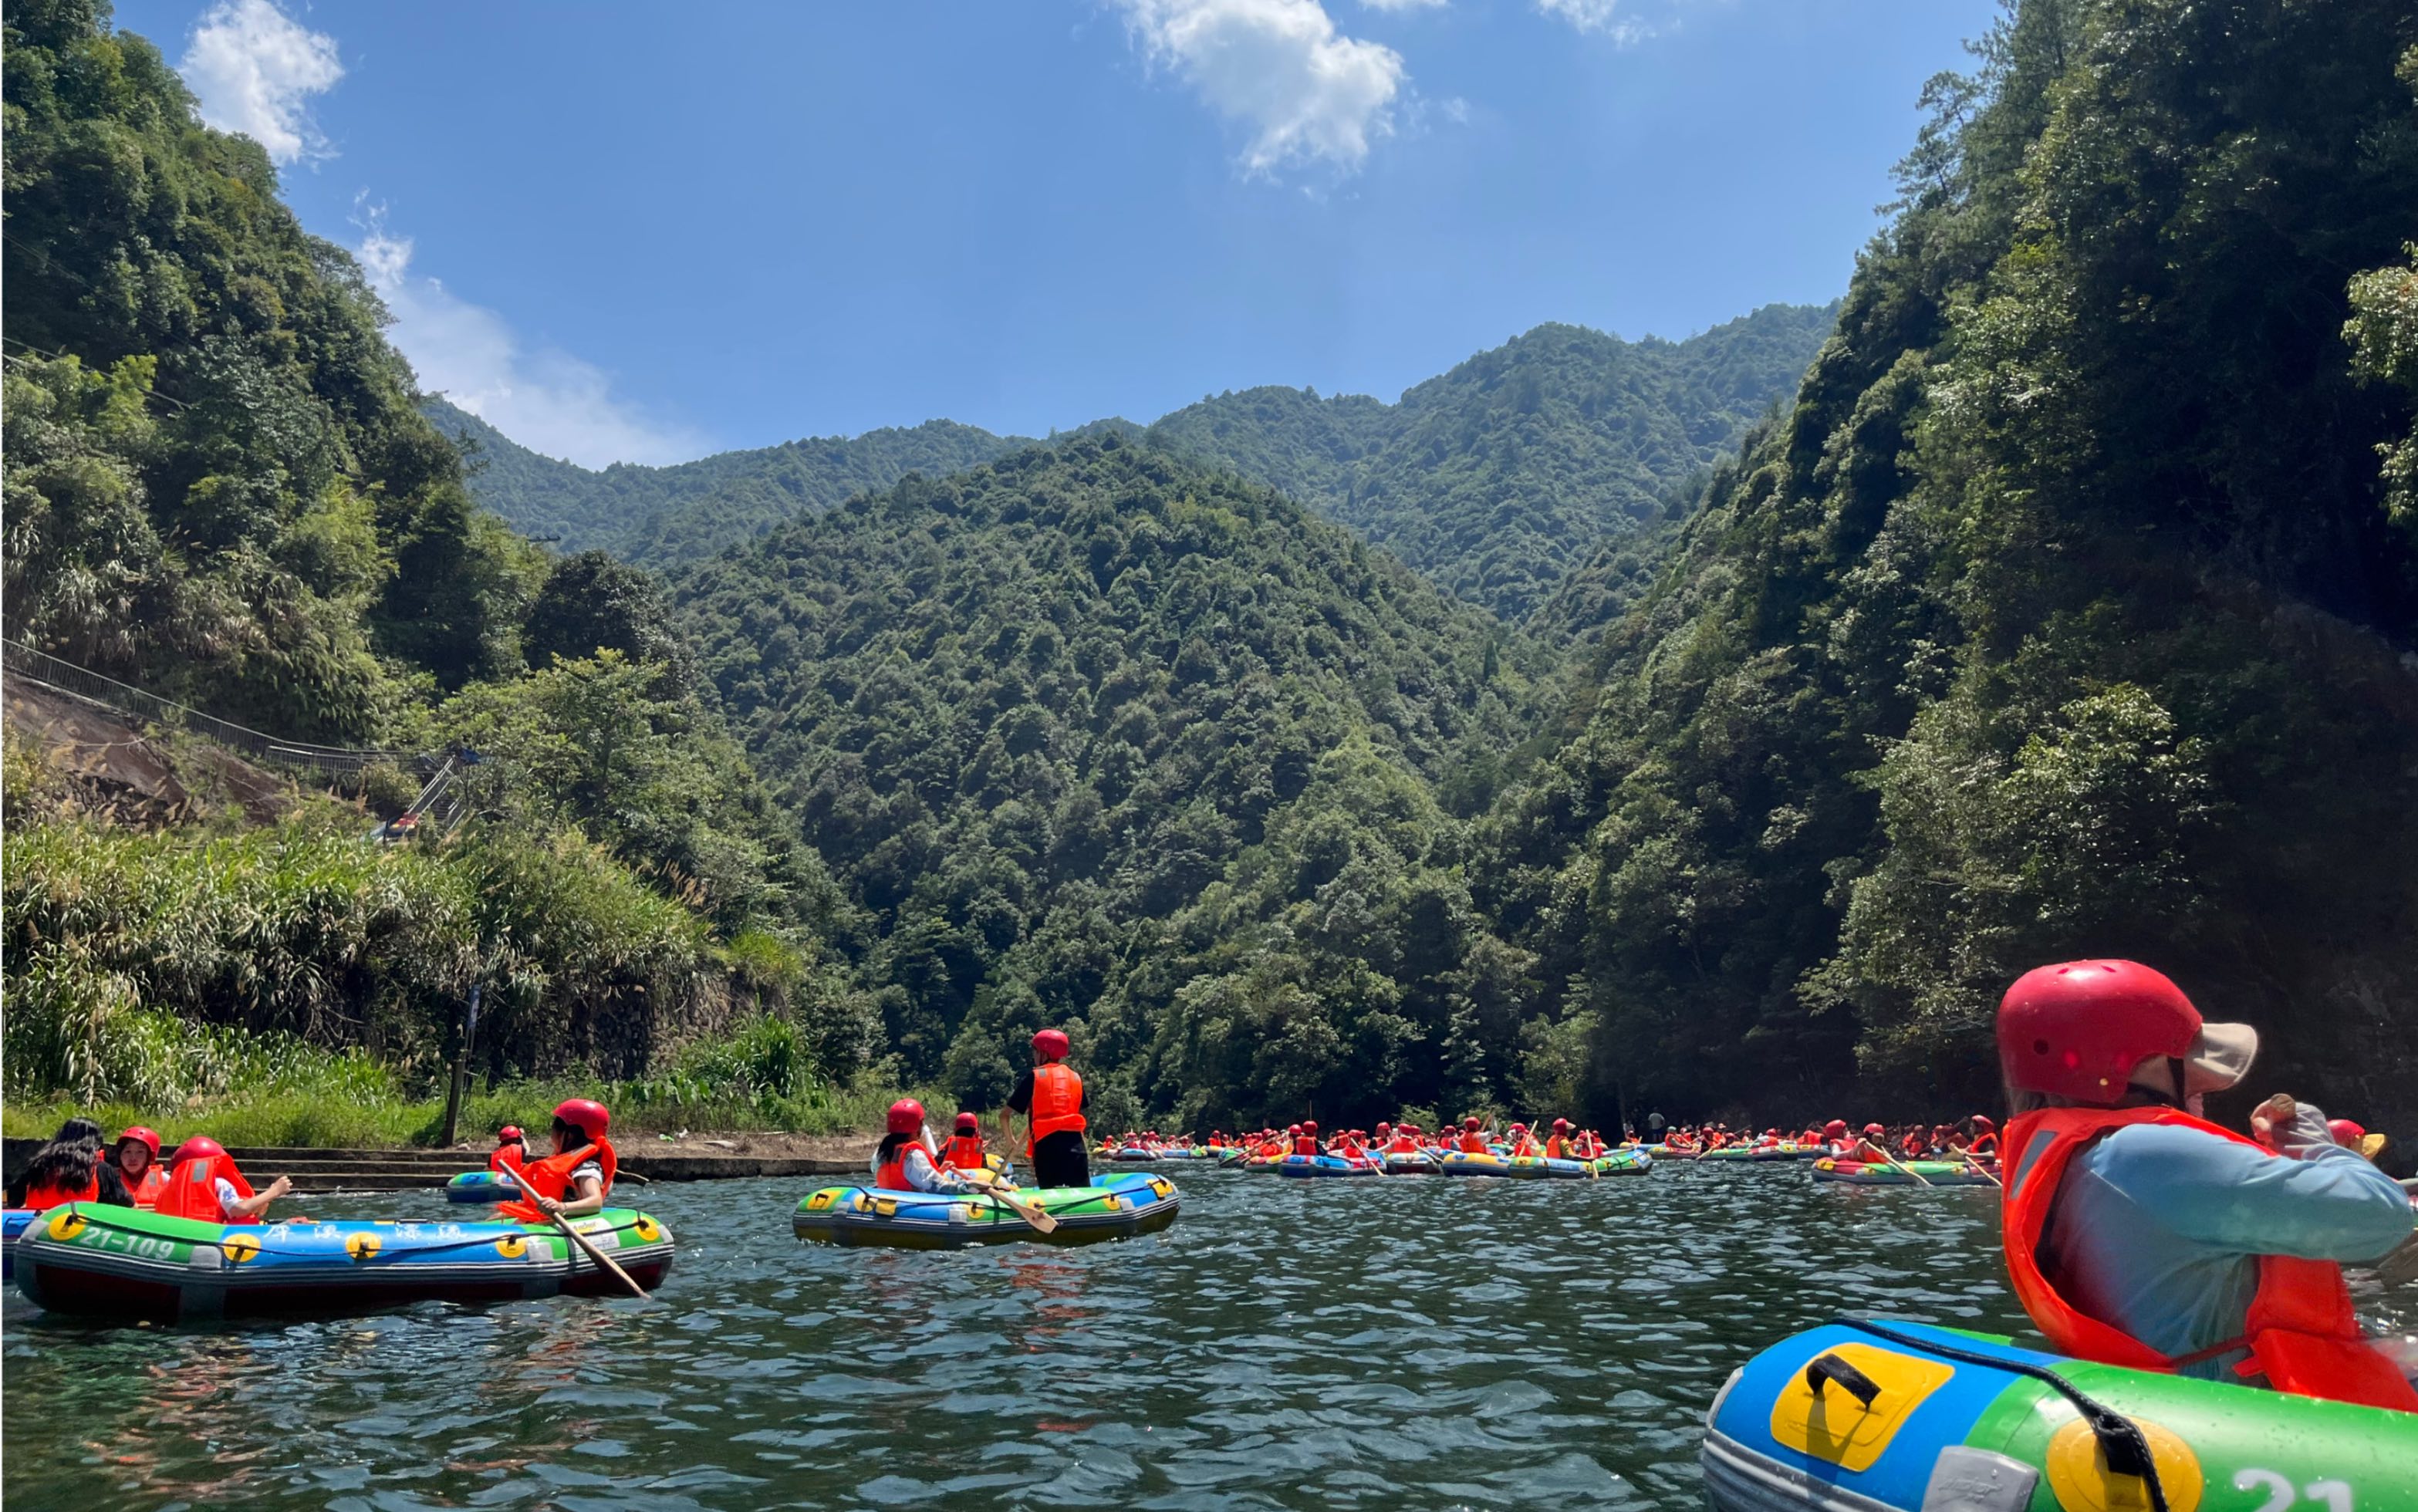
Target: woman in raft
pixel 136 1156
pixel 572 1182
pixel 2138 1233
pixel 70 1169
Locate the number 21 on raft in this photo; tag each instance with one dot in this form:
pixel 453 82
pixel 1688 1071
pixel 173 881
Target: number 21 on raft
pixel 2335 1494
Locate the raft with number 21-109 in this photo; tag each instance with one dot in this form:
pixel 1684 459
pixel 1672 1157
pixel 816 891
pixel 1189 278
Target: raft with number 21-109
pixel 134 1265
pixel 1120 1206
pixel 1864 1416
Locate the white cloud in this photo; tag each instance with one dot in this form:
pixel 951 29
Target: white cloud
pixel 1602 16
pixel 255 69
pixel 1404 4
pixel 1303 91
pixel 546 400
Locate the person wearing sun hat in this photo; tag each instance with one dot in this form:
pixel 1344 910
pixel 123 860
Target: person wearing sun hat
pixel 2138 1233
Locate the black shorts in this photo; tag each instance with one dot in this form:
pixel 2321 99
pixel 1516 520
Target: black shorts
pixel 1061 1159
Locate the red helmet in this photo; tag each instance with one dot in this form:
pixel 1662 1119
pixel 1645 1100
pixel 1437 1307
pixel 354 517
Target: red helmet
pixel 200 1146
pixel 1518 1128
pixel 2344 1131
pixel 906 1117
pixel 511 1134
pixel 147 1138
pixel 1052 1044
pixel 1561 1123
pixel 1383 1127
pixel 1982 1121
pixel 1469 1123
pixel 967 1123
pixel 1292 1128
pixel 1835 1129
pixel 1310 1125
pixel 2078 1030
pixel 1875 1129
pixel 589 1118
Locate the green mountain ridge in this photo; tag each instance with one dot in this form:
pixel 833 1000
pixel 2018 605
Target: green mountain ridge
pixel 1497 477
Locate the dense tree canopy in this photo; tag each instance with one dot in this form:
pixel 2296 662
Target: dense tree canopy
pixel 2062 616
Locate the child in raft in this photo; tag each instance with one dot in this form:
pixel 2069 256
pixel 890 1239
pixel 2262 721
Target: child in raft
pixel 205 1183
pixel 572 1182
pixel 906 1162
pixel 511 1151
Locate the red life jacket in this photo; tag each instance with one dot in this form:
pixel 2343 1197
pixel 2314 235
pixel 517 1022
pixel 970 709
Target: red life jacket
pixel 966 1151
pixel 1305 1146
pixel 192 1189
pixel 515 1155
pixel 1555 1148
pixel 1057 1103
pixel 550 1178
pixel 2300 1331
pixel 41 1199
pixel 1473 1143
pixel 1984 1144
pixel 891 1175
pixel 1401 1144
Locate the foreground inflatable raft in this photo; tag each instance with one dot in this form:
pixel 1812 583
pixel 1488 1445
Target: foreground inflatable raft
pixel 1901 1418
pixel 1117 1206
pixel 132 1265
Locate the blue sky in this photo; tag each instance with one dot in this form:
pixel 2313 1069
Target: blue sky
pixel 645 233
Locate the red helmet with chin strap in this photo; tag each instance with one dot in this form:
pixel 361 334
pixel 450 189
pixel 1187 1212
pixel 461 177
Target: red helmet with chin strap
pixel 587 1117
pixel 2077 1030
pixel 146 1138
pixel 906 1117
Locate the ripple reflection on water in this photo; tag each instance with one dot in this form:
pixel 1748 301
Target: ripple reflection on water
pixel 1414 1342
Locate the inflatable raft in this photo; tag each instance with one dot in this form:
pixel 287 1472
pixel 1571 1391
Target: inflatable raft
pixel 481 1186
pixel 1526 1167
pixel 1411 1163
pixel 1874 1173
pixel 1112 1207
pixel 1898 1418
pixel 1321 1165
pixel 1624 1162
pixel 14 1222
pixel 131 1264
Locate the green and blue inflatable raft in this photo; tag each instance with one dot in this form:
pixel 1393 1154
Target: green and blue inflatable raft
pixel 133 1265
pixel 1118 1206
pixel 1875 1174
pixel 1861 1416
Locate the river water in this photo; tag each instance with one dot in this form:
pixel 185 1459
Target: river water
pixel 1409 1343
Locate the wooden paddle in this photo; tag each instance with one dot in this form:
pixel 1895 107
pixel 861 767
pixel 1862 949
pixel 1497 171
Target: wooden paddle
pixel 1032 1212
pixel 602 1259
pixel 1894 1161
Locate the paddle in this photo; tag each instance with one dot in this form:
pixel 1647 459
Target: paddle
pixel 1985 1170
pixel 1894 1161
pixel 1032 1212
pixel 602 1259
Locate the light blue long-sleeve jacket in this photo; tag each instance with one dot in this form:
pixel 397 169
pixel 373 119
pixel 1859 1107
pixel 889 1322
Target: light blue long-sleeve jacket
pixel 2157 1229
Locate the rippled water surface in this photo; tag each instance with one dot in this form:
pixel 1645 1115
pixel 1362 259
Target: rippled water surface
pixel 1414 1342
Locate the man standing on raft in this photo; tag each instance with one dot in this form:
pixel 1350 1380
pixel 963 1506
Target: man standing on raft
pixel 2137 1233
pixel 1050 1097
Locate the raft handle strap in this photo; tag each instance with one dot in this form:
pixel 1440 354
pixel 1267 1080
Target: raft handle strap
pixel 2120 1441
pixel 1830 1368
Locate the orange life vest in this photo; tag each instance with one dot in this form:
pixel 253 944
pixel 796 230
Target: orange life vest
pixel 966 1151
pixel 2300 1331
pixel 41 1199
pixel 192 1189
pixel 1305 1146
pixel 146 1189
pixel 1475 1144
pixel 891 1175
pixel 1986 1144
pixel 550 1178
pixel 1057 1102
pixel 1556 1148
pixel 515 1155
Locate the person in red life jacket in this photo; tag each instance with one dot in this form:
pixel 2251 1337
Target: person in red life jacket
pixel 137 1159
pixel 70 1169
pixel 1473 1138
pixel 572 1182
pixel 1050 1098
pixel 1217 1140
pixel 2137 1233
pixel 1914 1142
pixel 1520 1143
pixel 1305 1137
pixel 1986 1139
pixel 1833 1138
pixel 1558 1144
pixel 1872 1146
pixel 965 1150
pixel 205 1184
pixel 904 1160
pixel 511 1151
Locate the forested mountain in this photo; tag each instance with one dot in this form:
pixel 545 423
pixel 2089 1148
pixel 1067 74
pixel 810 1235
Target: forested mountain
pixel 661 517
pixel 1500 476
pixel 1089 715
pixel 2064 615
pixel 219 488
pixel 1495 479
